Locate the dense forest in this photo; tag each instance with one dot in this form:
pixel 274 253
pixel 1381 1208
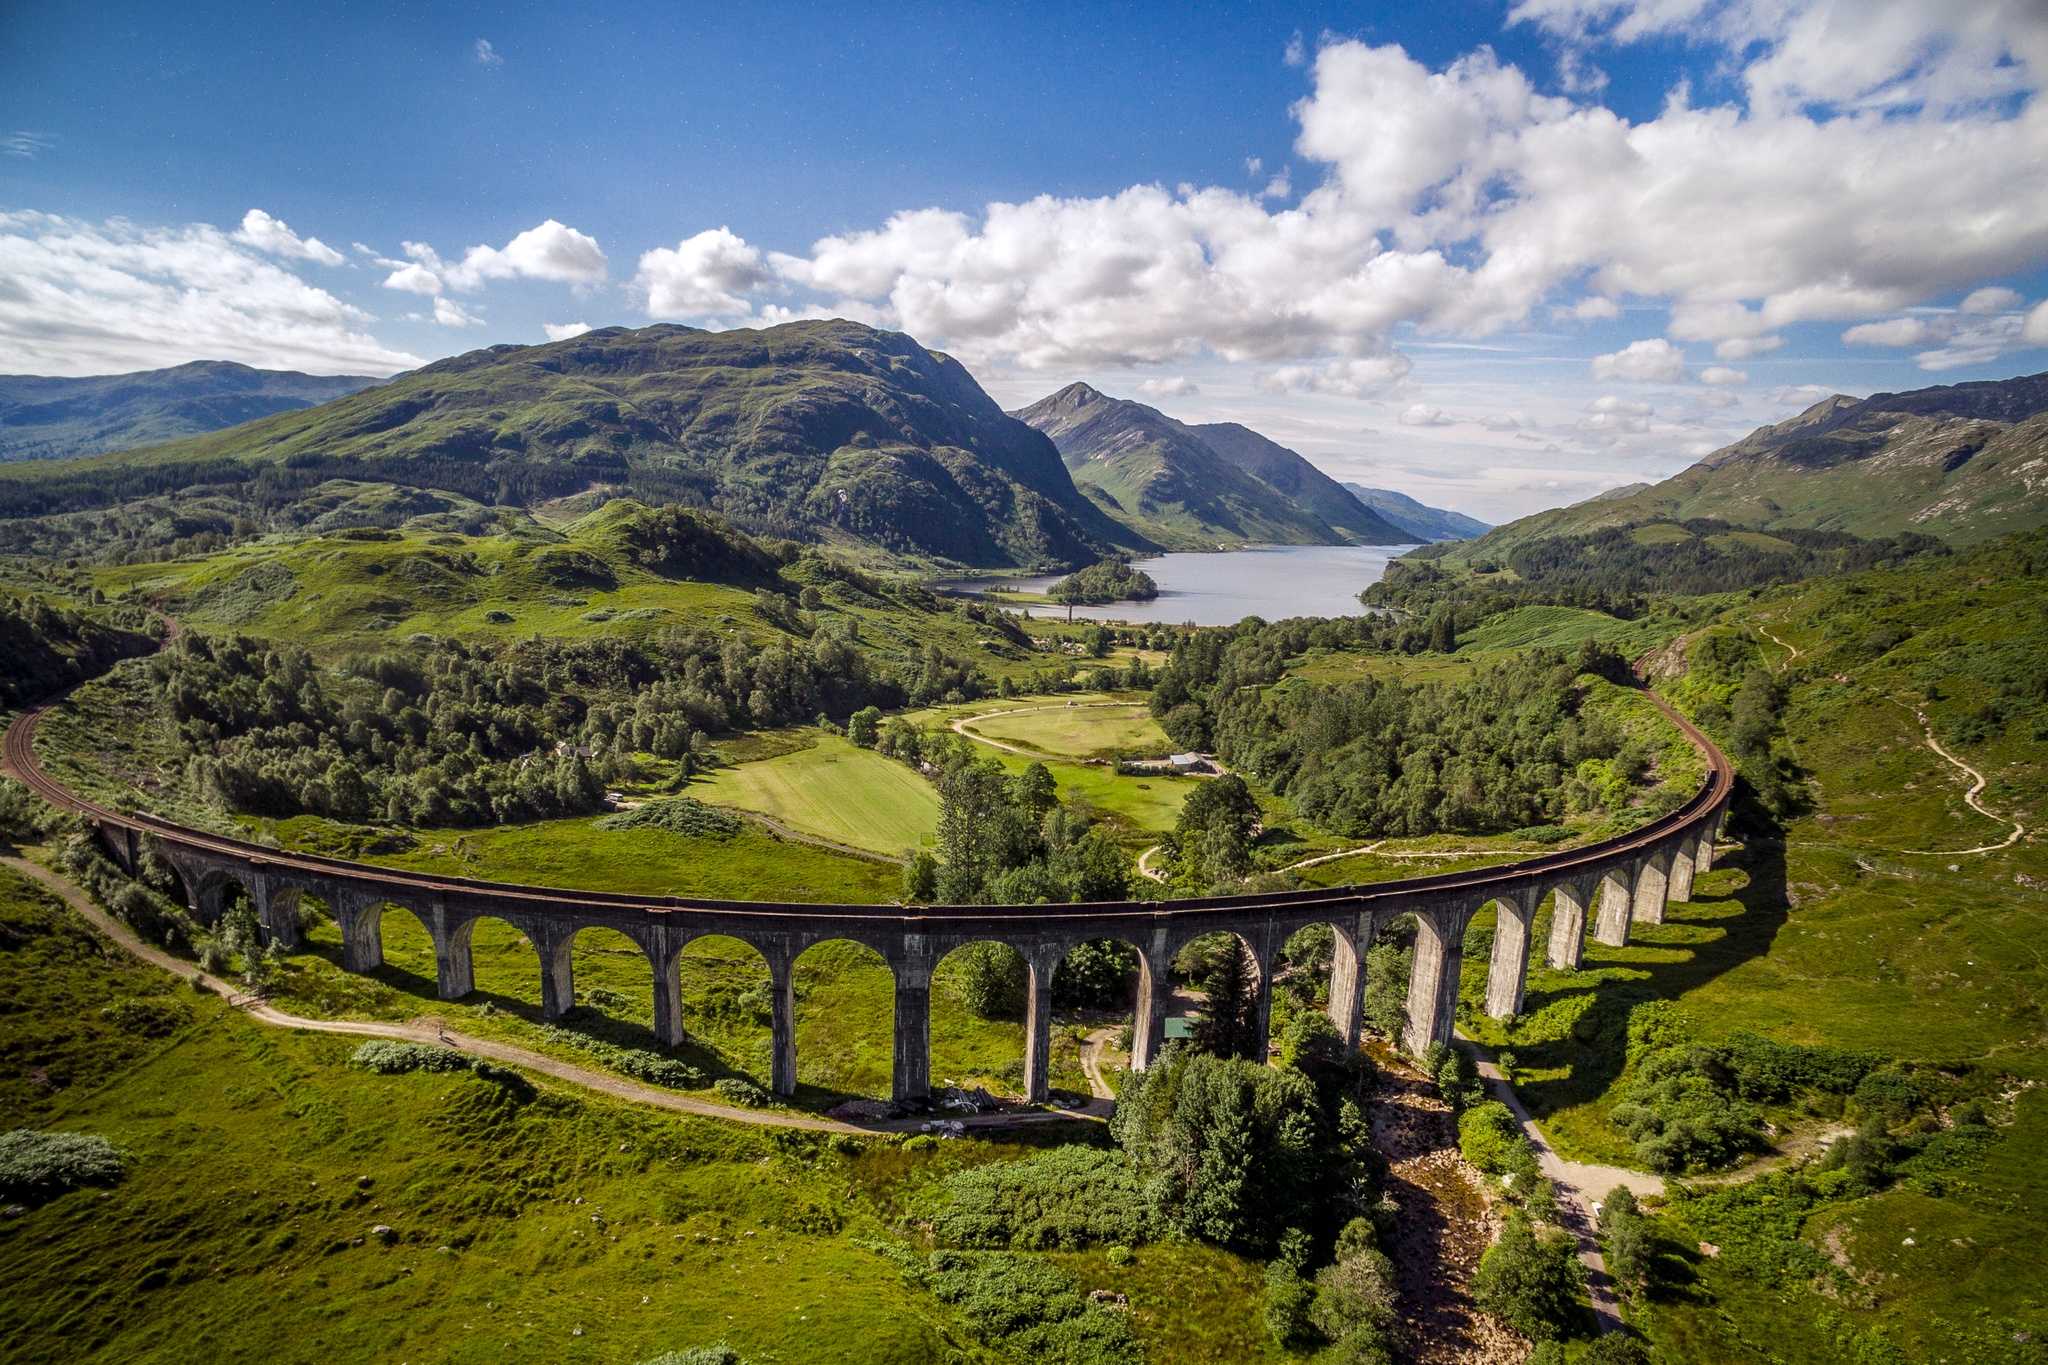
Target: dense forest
pixel 45 649
pixel 466 734
pixel 1615 570
pixel 1506 749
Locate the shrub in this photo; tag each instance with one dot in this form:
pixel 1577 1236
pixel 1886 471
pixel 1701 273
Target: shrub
pixel 389 1058
pixel 36 1165
pixel 720 1354
pixel 1030 1310
pixel 1287 1303
pixel 1488 1136
pixel 147 1018
pixel 1531 1283
pixel 684 815
pixel 1625 1238
pixel 1062 1199
pixel 736 1090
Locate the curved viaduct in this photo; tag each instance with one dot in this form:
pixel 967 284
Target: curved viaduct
pixel 1601 889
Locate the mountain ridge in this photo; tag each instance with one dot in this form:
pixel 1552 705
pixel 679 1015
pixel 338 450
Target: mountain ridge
pixel 1165 479
pixel 818 429
pixel 54 417
pixel 1966 462
pixel 1425 523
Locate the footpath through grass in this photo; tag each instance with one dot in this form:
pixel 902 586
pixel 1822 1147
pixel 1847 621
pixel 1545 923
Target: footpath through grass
pixel 560 1227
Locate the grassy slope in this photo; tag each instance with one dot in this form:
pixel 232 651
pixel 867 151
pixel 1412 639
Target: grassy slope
pixel 1063 731
pixel 566 1228
pixel 832 789
pixel 1838 936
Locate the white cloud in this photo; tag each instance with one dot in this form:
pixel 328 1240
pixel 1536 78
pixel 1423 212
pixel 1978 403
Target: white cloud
pixel 1254 167
pixel 486 54
pixel 1423 415
pixel 413 278
pixel 1296 52
pixel 1280 186
pixel 266 233
pixel 26 145
pixel 562 331
pixel 78 297
pixel 1592 308
pixel 1650 361
pixel 1721 374
pixel 1747 348
pixel 1178 386
pixel 553 251
pixel 1993 299
pixel 449 313
pixel 2036 332
pixel 1614 404
pixel 1353 378
pixel 1894 332
pixel 702 277
pixel 362 250
pixel 1460 200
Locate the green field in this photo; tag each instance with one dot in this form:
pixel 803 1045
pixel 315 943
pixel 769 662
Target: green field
pixel 1077 731
pixel 563 1227
pixel 834 790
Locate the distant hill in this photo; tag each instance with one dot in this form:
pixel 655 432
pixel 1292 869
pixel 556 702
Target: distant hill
pixel 1300 482
pixel 1170 483
pixel 1958 461
pixel 1417 519
pixel 45 418
pixel 828 431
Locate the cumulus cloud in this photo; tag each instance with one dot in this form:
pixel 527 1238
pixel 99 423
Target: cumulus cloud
pixel 79 297
pixel 1893 332
pixel 2036 331
pixel 486 54
pixel 1423 415
pixel 705 277
pixel 1354 378
pixel 273 235
pixel 449 313
pixel 1459 200
pixel 1590 309
pixel 1721 374
pixel 1178 386
pixel 1994 299
pixel 553 251
pixel 562 331
pixel 1652 360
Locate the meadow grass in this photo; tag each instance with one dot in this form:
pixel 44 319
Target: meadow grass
pixel 832 789
pixel 564 1227
pixel 1062 731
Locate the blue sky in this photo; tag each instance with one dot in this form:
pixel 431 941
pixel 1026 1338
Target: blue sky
pixel 1496 256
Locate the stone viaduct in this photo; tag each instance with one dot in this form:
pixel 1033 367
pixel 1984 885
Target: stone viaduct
pixel 1602 890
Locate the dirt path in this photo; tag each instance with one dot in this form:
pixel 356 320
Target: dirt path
pixel 1091 1062
pixel 1792 651
pixel 1442 1230
pixel 430 1030
pixel 1580 1186
pixel 1970 798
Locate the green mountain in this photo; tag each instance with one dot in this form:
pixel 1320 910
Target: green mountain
pixel 1300 482
pixel 1170 483
pixel 826 431
pixel 1417 519
pixel 45 418
pixel 1959 461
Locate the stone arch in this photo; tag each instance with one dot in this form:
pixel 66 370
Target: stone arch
pixel 1434 980
pixel 486 954
pixel 364 941
pixel 1683 867
pixel 1317 963
pixel 963 1051
pixel 1096 999
pixel 616 973
pixel 1256 959
pixel 723 984
pixel 1507 966
pixel 844 1019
